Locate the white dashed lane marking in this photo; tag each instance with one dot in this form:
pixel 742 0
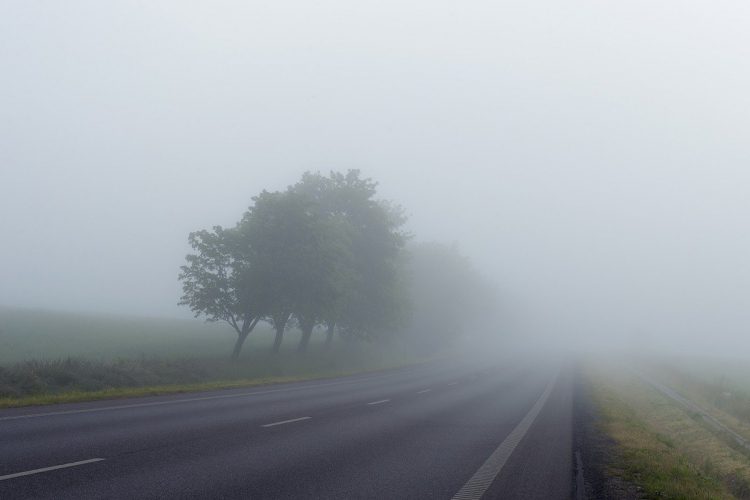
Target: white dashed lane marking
pixel 286 421
pixel 47 469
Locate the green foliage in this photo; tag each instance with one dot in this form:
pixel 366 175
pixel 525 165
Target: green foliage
pixel 222 281
pixel 305 256
pixel 327 252
pixel 374 301
pixel 323 251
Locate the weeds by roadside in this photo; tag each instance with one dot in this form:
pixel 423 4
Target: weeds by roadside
pixel 661 449
pixel 81 379
pixel 727 401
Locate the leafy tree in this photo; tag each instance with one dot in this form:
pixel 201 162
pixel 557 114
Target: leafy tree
pixel 327 275
pixel 375 300
pixel 221 281
pixel 322 252
pixel 304 257
pixel 269 226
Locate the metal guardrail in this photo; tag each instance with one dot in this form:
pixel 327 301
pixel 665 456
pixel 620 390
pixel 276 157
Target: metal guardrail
pixel 708 419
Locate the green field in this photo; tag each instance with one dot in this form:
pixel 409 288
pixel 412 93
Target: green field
pixel 35 334
pixel 52 357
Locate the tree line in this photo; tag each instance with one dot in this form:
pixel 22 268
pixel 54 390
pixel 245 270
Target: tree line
pixel 324 253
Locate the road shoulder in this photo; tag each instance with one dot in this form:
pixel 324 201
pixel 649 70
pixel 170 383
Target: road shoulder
pixel 598 451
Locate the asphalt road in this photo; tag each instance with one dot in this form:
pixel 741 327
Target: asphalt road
pixel 440 431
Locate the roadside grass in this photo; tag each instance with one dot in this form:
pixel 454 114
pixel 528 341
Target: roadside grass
pixel 78 379
pixel 76 396
pixel 662 450
pixel 135 392
pixel 721 389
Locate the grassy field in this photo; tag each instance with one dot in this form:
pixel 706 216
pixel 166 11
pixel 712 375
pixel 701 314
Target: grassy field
pixel 660 448
pixel 721 386
pixel 34 334
pixel 51 357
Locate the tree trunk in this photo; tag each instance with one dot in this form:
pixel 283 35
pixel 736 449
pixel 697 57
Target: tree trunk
pixel 238 345
pixel 277 340
pixel 306 333
pixel 329 334
pixel 247 326
pixel 279 323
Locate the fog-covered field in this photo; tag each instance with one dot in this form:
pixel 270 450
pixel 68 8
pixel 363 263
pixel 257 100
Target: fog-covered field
pixel 49 356
pixel 40 334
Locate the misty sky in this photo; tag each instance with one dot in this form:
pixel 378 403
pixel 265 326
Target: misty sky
pixel 593 158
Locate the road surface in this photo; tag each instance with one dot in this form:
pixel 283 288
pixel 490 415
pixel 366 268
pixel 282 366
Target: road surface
pixel 440 431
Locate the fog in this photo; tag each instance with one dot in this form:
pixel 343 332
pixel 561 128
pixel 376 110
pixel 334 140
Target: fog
pixel 592 159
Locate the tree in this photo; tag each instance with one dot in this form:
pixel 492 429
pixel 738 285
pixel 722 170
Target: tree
pixel 325 278
pixel 221 281
pixel 268 227
pixel 447 293
pixel 304 259
pixel 321 252
pixel 376 300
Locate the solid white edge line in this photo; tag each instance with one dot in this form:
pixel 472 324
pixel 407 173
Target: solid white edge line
pixel 286 421
pixel 378 402
pixel 47 469
pixel 472 378
pixel 426 390
pixel 205 398
pixel 454 383
pixel 481 480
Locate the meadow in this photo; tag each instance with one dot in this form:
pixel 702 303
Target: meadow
pixel 719 385
pixel 52 357
pixel 38 334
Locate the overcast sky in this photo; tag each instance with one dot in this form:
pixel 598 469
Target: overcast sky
pixel 591 157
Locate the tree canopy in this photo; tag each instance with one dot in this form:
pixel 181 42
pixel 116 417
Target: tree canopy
pixel 322 252
pixel 326 252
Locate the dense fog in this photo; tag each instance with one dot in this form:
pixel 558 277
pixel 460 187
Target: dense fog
pixel 591 160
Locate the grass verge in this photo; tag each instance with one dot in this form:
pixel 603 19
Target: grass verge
pixel 718 395
pixel 160 390
pixel 81 379
pixel 666 453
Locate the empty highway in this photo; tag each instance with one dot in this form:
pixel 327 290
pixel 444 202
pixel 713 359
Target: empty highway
pixel 444 430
